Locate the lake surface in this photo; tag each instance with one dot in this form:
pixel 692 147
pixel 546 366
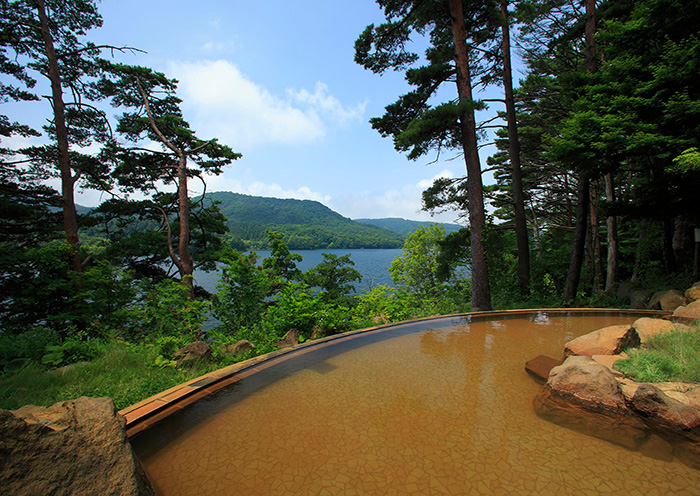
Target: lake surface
pixel 372 264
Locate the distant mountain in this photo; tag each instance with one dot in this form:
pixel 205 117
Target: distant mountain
pixel 405 227
pixel 307 224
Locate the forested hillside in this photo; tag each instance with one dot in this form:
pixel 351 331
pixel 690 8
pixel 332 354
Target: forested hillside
pixel 307 224
pixel 405 227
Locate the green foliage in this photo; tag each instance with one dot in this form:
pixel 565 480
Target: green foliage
pixel 295 306
pixel 380 302
pixel 166 309
pixel 334 275
pixel 281 263
pixel 416 269
pixel 70 351
pixel 38 288
pixel 241 293
pixel 687 161
pixel 126 372
pixel 670 356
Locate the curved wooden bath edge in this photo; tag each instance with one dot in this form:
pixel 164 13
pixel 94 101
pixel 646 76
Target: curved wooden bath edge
pixel 149 411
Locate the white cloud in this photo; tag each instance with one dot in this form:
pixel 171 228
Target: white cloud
pixel 426 183
pixel 218 47
pixel 404 202
pixel 240 112
pixel 328 105
pixel 258 188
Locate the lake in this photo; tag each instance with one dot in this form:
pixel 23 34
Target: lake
pixel 372 264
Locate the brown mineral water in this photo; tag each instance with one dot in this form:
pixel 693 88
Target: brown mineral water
pixel 428 408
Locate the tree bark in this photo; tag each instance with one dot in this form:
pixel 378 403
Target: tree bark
pixel 186 261
pixel 481 292
pixel 611 275
pixel 577 252
pixel 70 215
pixel 183 260
pixel 591 62
pixel 596 258
pixel 515 167
pixel 574 276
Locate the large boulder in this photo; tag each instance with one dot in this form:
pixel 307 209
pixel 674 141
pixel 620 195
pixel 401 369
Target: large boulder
pixel 667 300
pixel 691 311
pixel 584 395
pixel 693 292
pixel 291 338
pixel 76 447
pixel 240 347
pixel 606 341
pixel 647 327
pixel 639 298
pixel 199 350
pixel 653 404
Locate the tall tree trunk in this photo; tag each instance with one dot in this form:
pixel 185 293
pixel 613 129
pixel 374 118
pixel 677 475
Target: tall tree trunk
pixel 596 258
pixel 183 260
pixel 481 292
pixel 70 215
pixel 591 62
pixel 515 168
pixel 611 275
pixel 577 254
pixel 186 265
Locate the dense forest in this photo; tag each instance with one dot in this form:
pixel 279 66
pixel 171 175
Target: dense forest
pixel 596 172
pixel 306 224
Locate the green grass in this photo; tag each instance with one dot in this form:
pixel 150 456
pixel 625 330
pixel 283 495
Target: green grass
pixel 124 372
pixel 669 357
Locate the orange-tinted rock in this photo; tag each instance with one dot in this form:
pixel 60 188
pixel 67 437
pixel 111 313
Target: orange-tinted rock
pixel 584 395
pixel 199 350
pixel 291 338
pixel 693 293
pixel 690 311
pixel 74 447
pixel 667 300
pixel 240 347
pixel 609 361
pixel 606 341
pixel 647 327
pixel 540 366
pixel 655 405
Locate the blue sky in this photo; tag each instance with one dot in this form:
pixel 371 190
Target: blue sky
pixel 276 81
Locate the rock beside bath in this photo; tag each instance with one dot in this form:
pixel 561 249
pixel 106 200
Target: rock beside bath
pixel 693 293
pixel 540 366
pixel 240 347
pixel 584 395
pixel 667 300
pixel 688 312
pixel 653 404
pixel 199 350
pixel 76 447
pixel 647 327
pixel 606 341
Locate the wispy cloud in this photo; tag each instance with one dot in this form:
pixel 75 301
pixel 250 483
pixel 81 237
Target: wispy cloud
pixel 404 202
pixel 258 188
pixel 228 105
